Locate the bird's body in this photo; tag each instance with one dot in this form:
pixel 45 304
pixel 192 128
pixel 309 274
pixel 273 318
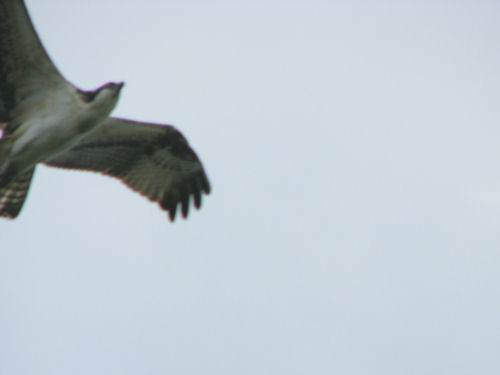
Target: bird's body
pixel 53 123
pixel 46 119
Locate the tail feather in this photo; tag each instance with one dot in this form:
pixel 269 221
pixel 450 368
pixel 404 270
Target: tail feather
pixel 13 195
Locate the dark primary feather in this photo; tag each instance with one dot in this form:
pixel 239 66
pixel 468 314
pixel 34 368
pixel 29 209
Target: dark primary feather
pixel 154 160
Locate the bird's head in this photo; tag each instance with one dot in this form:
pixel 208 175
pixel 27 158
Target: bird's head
pixel 106 96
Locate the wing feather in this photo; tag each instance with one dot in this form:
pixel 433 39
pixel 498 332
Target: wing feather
pixel 152 159
pixel 25 67
pixel 13 195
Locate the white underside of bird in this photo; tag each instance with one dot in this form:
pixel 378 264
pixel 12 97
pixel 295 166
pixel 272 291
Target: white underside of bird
pixel 46 119
pixel 54 122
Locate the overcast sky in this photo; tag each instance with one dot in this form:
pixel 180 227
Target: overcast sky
pixel 353 228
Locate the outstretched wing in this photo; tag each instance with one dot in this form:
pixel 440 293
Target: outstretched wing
pixel 154 160
pixel 25 67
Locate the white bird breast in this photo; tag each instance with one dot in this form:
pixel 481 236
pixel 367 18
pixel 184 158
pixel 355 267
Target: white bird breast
pixel 54 123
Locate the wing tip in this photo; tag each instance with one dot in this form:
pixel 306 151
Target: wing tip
pixel 171 215
pixel 171 202
pixel 8 215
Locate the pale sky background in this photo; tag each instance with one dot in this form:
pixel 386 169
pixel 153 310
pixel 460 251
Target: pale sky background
pixel 354 226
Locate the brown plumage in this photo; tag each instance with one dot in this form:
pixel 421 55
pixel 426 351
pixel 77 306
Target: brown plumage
pixel 152 159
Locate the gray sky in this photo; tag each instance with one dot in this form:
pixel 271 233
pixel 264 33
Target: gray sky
pixel 353 228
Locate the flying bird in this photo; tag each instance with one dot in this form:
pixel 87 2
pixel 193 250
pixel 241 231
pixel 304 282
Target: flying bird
pixel 46 119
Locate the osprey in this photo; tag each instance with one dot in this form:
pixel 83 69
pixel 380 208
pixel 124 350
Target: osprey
pixel 46 119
